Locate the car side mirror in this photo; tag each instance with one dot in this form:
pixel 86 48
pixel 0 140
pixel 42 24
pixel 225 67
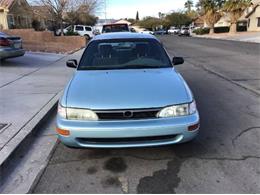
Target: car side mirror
pixel 177 60
pixel 72 63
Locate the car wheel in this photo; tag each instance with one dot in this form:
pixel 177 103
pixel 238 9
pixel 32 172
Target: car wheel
pixel 87 37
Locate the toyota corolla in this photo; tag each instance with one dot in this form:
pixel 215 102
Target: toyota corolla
pixel 126 92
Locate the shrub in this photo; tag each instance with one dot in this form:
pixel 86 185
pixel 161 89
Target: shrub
pixel 201 31
pixel 37 25
pixel 71 33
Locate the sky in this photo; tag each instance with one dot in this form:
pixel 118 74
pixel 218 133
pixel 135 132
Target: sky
pixel 117 9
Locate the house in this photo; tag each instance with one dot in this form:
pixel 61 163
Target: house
pixel 123 22
pixel 224 21
pixel 15 14
pixel 253 17
pixel 199 22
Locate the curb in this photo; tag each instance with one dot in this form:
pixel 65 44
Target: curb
pixel 25 133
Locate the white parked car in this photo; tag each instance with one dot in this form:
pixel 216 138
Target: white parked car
pixel 82 30
pixel 174 30
pixel 147 32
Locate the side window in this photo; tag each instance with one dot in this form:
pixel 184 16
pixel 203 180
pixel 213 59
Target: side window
pixel 69 28
pixel 79 28
pixel 88 29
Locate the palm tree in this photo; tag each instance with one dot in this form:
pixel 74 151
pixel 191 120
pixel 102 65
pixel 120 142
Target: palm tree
pixel 211 11
pixel 188 5
pixel 235 8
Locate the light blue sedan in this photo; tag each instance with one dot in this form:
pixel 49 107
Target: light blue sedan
pixel 126 93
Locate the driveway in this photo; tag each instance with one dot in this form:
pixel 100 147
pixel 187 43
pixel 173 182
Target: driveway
pixel 16 68
pixel 224 158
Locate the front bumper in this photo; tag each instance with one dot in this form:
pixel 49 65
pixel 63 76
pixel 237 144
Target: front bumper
pixel 122 134
pixel 11 53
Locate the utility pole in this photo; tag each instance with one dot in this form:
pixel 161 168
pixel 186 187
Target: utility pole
pixel 106 10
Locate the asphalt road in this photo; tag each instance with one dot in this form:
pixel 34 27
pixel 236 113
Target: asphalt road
pixel 224 158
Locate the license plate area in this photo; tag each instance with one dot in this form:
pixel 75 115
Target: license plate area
pixel 17 45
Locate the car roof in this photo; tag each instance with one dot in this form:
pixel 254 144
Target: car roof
pixel 123 35
pixel 115 24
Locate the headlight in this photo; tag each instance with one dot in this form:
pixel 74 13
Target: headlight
pixel 77 114
pixel 178 110
pixel 81 114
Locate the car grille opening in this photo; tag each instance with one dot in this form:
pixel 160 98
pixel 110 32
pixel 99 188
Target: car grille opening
pixel 128 114
pixel 130 140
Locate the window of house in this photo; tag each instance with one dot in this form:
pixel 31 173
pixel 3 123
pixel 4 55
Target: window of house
pixel 79 28
pixel 258 22
pixel 10 21
pixel 248 23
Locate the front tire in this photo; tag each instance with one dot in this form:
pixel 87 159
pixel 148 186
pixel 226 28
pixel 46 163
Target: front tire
pixel 87 37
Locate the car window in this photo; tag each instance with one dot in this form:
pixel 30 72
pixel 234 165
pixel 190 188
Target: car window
pixel 124 54
pixel 79 28
pixel 69 28
pixel 88 28
pixel 115 28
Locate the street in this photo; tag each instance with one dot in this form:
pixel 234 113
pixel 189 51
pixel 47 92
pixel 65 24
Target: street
pixel 224 158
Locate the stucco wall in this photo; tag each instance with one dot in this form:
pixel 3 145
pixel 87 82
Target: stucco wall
pixel 254 20
pixel 3 18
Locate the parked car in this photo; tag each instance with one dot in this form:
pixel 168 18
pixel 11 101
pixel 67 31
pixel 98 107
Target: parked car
pixel 147 32
pixel 82 30
pixel 111 28
pixel 126 93
pixel 185 31
pixel 132 30
pixel 174 30
pixel 10 46
pixel 161 32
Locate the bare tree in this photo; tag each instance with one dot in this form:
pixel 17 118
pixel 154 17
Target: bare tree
pixel 88 6
pixel 56 8
pixel 82 11
pixel 69 8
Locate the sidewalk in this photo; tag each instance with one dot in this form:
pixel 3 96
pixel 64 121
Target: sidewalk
pixel 253 37
pixel 24 102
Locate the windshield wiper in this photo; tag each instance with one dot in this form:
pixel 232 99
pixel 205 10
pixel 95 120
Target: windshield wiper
pixel 136 66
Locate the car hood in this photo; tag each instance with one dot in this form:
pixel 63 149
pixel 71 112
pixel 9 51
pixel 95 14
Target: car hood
pixel 127 89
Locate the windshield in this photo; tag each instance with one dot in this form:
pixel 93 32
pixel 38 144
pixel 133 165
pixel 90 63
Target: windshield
pixel 124 54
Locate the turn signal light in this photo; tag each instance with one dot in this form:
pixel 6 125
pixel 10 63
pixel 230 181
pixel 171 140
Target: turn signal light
pixel 194 127
pixel 63 132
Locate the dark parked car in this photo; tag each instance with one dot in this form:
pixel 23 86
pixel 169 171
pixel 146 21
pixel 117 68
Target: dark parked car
pixel 161 32
pixel 10 46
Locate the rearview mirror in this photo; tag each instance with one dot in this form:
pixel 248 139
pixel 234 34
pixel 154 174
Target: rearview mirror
pixel 72 63
pixel 177 60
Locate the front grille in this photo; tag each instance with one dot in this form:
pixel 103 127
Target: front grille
pixel 127 140
pixel 127 114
